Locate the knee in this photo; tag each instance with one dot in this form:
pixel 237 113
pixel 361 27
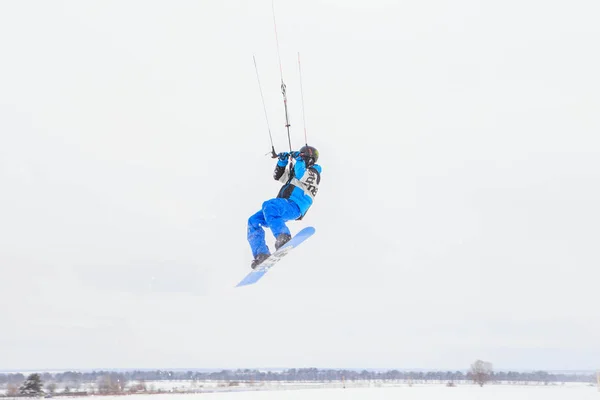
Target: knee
pixel 268 204
pixel 271 207
pixel 254 222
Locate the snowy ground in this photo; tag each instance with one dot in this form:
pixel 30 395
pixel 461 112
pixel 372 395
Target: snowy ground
pixel 425 392
pixel 217 385
pixel 403 392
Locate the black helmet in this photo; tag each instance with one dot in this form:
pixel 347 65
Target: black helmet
pixel 309 154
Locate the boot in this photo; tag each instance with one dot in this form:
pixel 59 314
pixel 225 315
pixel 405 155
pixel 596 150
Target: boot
pixel 259 259
pixel 282 239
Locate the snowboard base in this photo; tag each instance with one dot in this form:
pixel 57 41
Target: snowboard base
pixel 256 274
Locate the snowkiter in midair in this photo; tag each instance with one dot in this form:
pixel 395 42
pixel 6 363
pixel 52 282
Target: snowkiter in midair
pixel 296 196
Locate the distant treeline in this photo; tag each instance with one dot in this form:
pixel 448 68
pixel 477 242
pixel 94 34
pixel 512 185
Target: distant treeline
pixel 74 379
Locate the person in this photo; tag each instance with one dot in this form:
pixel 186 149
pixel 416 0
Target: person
pixel 300 186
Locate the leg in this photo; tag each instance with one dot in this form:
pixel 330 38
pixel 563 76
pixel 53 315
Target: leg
pixel 276 212
pixel 256 234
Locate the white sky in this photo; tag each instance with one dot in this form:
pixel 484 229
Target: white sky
pixel 457 217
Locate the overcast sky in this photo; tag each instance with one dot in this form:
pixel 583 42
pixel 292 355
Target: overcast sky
pixel 457 217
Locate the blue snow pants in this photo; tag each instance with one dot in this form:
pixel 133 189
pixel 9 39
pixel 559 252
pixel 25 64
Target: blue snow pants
pixel 273 215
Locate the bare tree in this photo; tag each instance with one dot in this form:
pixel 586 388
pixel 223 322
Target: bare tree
pixel 111 383
pixel 12 389
pixel 140 386
pixel 105 384
pixel 51 387
pixel 481 372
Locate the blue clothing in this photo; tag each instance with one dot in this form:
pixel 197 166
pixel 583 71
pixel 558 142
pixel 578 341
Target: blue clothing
pixel 302 187
pixel 292 202
pixel 274 214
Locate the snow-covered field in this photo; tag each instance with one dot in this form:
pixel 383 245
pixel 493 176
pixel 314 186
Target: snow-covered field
pixel 404 392
pixel 424 392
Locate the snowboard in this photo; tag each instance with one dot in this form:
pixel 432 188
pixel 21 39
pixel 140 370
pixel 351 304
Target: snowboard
pixel 256 274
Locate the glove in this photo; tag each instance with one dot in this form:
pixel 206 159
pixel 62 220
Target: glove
pixel 297 155
pixel 283 156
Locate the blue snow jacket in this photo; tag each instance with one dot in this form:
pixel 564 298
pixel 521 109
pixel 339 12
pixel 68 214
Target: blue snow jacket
pixel 300 187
